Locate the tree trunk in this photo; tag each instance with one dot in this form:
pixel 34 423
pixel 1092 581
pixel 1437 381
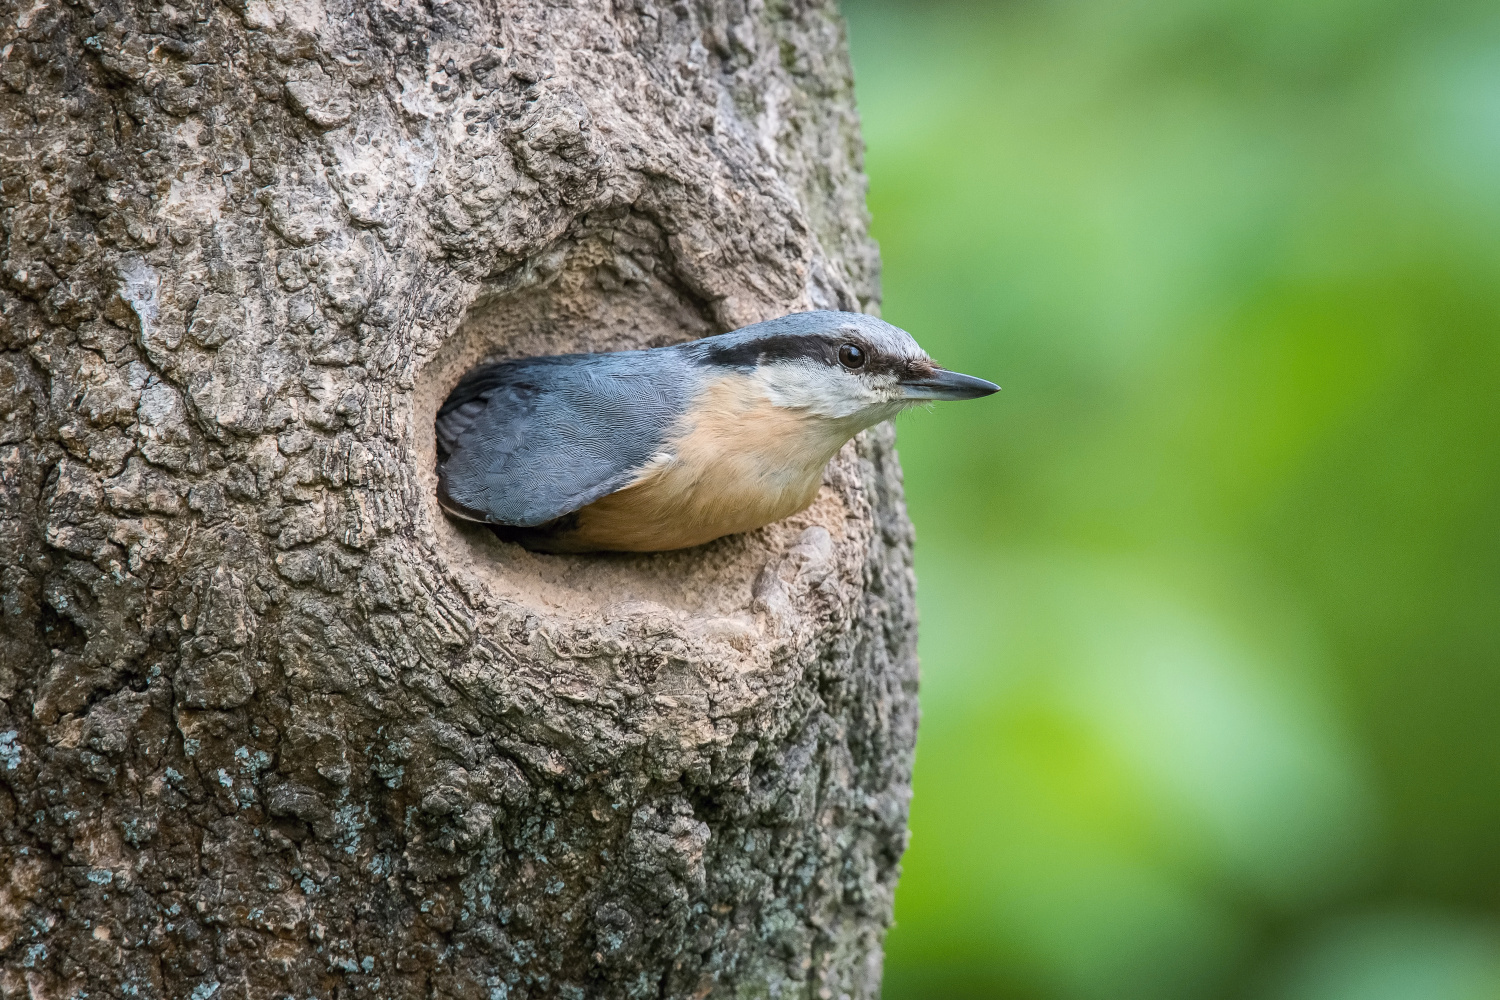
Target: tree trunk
pixel 272 725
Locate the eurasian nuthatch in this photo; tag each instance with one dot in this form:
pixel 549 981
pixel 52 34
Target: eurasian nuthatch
pixel 675 446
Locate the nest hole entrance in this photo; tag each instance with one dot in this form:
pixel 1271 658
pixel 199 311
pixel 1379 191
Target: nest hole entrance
pixel 580 310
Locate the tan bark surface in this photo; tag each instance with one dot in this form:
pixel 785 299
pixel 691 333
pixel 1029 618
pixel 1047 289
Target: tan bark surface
pixel 270 725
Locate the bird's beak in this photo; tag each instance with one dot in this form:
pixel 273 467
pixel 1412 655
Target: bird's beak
pixel 943 384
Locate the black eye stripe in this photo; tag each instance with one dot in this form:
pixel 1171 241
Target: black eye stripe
pixel 807 347
pixel 766 350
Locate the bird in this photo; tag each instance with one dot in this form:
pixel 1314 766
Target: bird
pixel 672 447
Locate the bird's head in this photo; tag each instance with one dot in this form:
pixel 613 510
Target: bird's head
pixel 849 368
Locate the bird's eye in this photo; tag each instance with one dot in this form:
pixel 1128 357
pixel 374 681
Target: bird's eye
pixel 851 357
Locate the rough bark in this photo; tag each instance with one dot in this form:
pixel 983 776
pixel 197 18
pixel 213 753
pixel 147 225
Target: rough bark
pixel 270 725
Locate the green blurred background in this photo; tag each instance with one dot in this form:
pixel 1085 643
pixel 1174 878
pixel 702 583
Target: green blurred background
pixel 1211 592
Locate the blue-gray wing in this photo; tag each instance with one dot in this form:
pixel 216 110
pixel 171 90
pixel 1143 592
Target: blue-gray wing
pixel 525 442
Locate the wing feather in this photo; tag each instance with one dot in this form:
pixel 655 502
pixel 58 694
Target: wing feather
pixel 525 442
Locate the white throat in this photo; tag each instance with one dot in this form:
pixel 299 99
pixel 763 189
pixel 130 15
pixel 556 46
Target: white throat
pixel 843 398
